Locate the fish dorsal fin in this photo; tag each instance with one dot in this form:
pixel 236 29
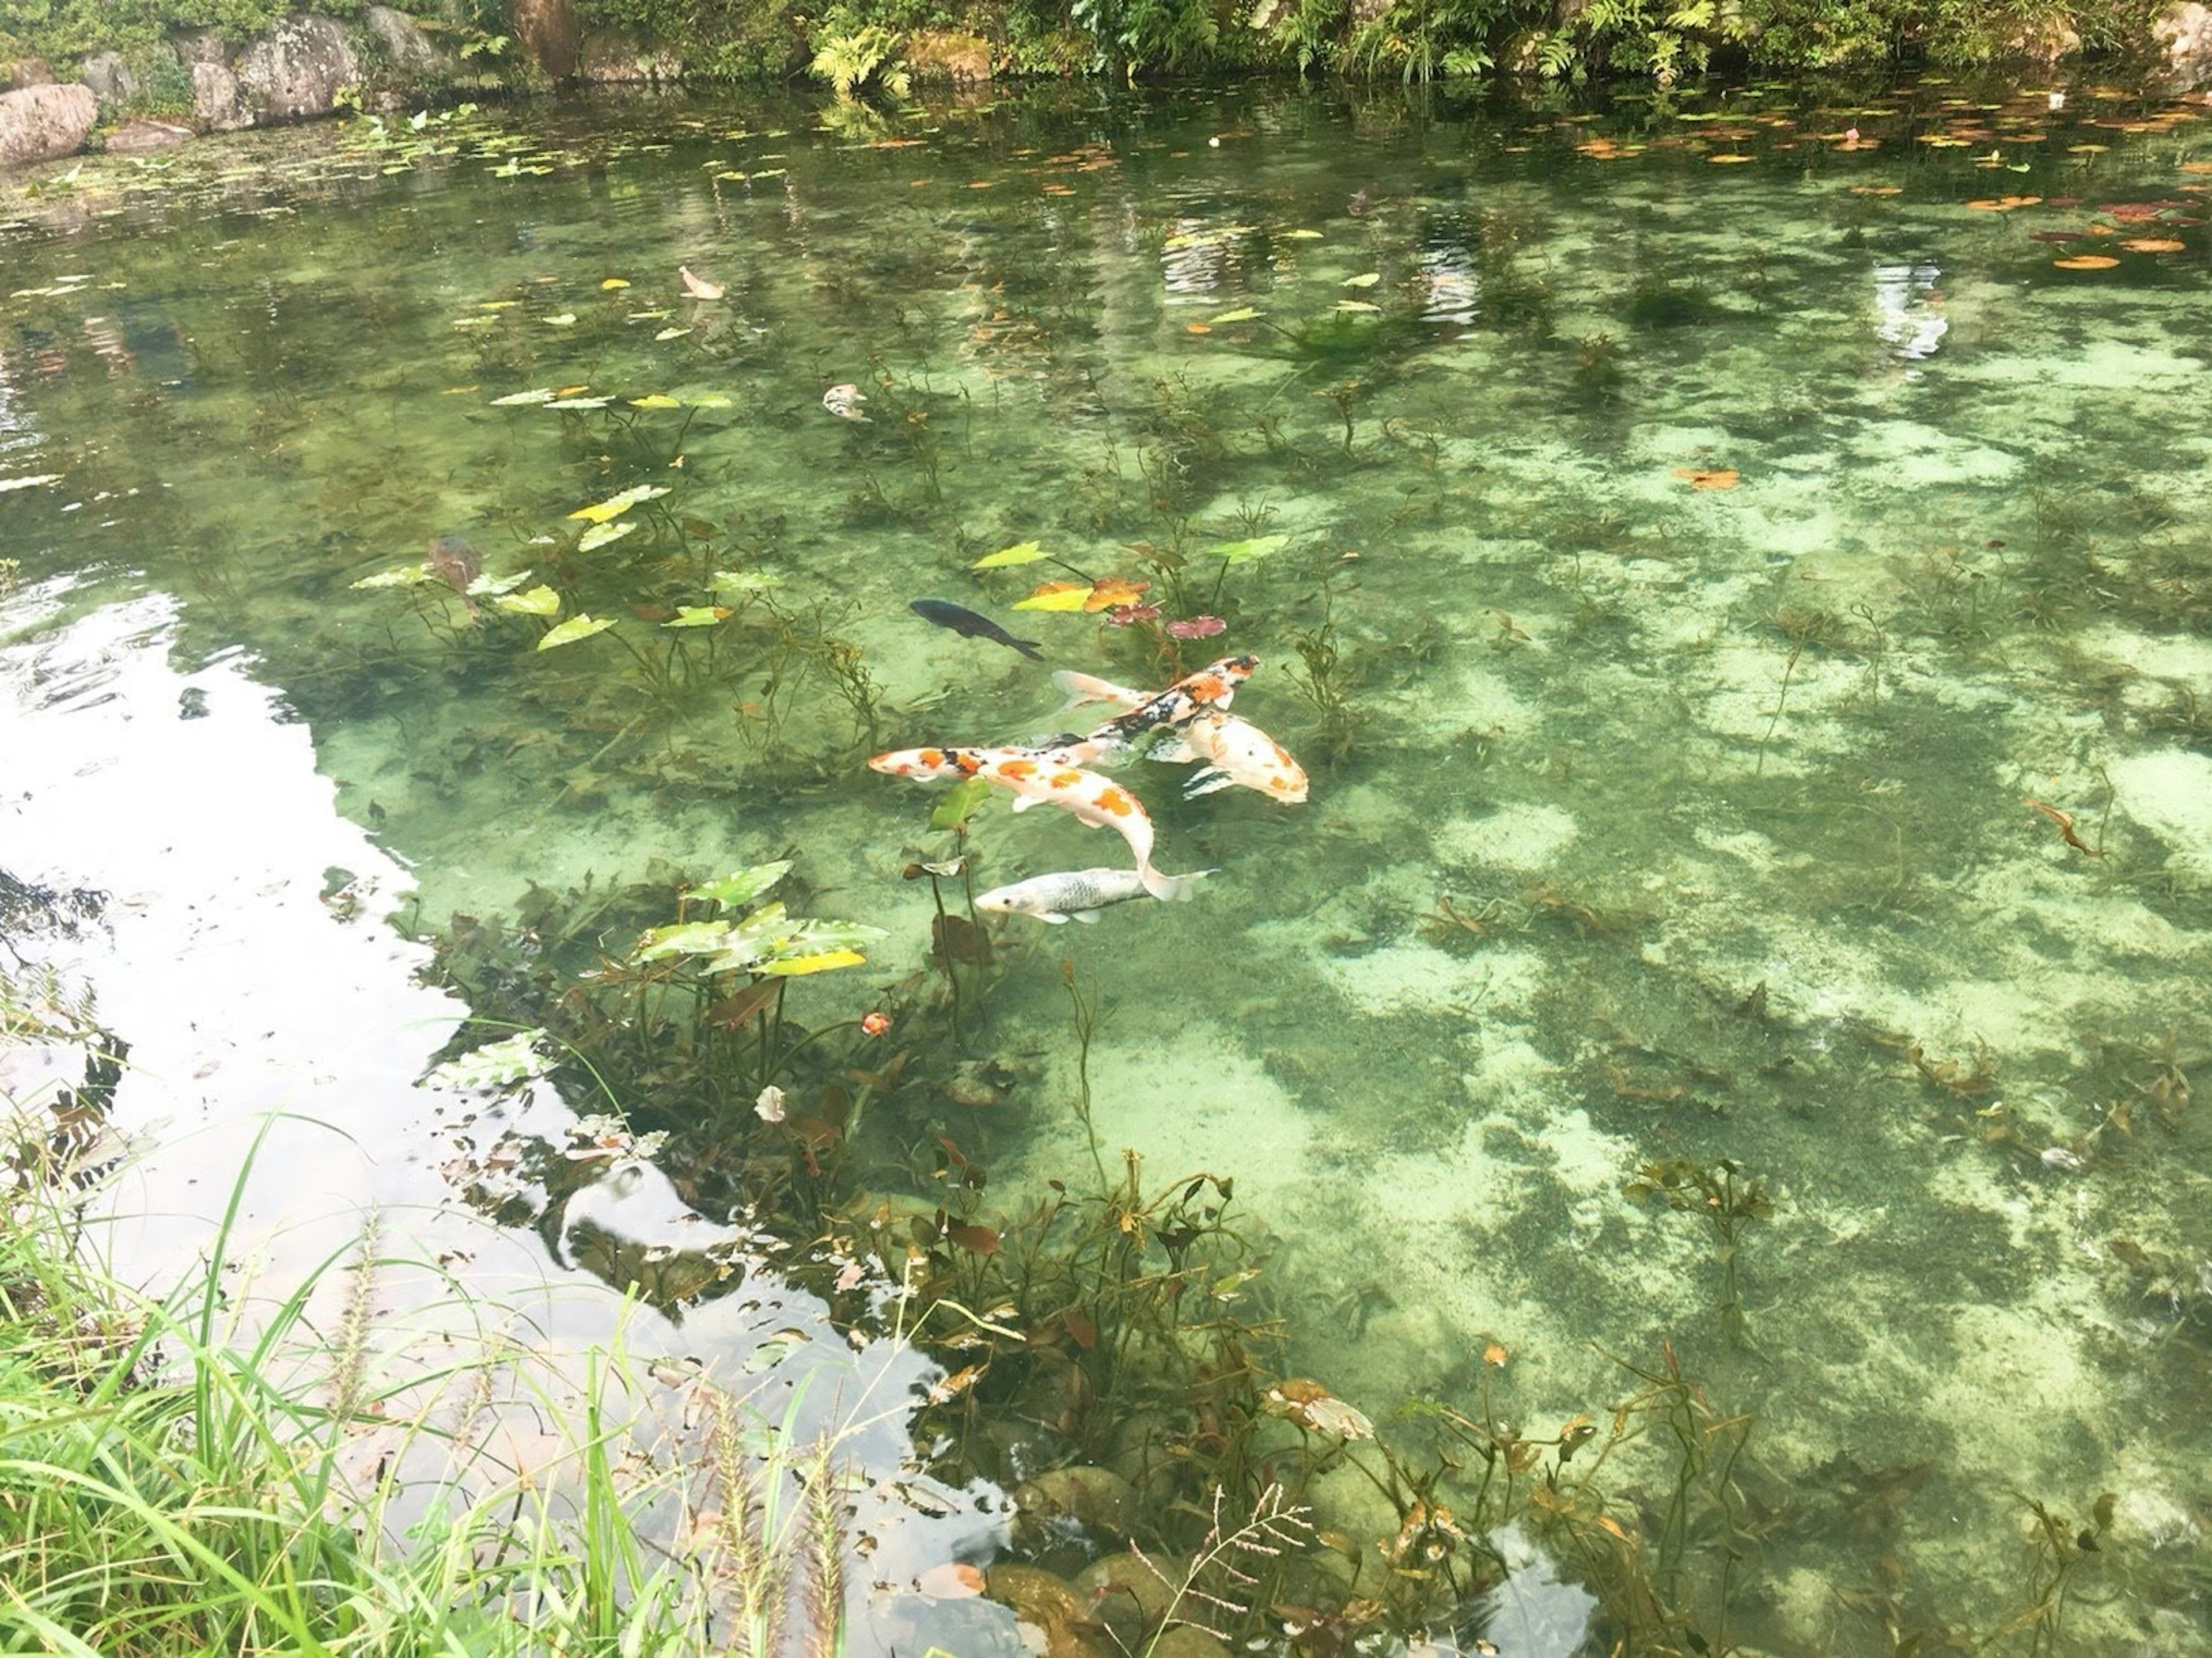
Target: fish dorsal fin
pixel 1024 802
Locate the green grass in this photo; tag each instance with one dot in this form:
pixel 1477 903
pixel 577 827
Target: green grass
pixel 209 1470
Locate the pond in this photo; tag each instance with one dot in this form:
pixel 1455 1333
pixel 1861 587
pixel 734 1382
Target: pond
pixel 1696 1099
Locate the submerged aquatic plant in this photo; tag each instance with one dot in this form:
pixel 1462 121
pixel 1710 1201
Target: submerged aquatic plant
pixel 1728 1203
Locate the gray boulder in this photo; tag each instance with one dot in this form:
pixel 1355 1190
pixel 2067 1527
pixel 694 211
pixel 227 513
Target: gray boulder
pixel 549 33
pixel 37 124
pixel 404 46
pixel 142 133
pixel 218 103
pixel 295 68
pixel 109 77
pixel 2184 33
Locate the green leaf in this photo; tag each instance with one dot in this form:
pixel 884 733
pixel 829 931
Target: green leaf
pixel 1239 552
pixel 958 804
pixel 743 581
pixel 1243 313
pixel 600 534
pixel 518 399
pixel 496 1064
pixel 671 334
pixel 404 575
pixel 1368 280
pixel 1302 235
pixel 491 587
pixel 1022 552
pixel 1357 307
pixel 576 627
pixel 682 938
pixel 656 400
pixel 615 505
pixel 540 600
pixel 744 885
pixel 697 616
pixel 790 967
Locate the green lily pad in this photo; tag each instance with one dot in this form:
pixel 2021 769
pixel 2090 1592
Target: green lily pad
pixel 576 627
pixel 540 600
pixel 744 885
pixel 600 534
pixel 697 616
pixel 1022 552
pixel 1238 552
pixel 404 576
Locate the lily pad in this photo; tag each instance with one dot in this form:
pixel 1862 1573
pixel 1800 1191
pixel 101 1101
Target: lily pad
pixel 576 627
pixel 744 581
pixel 743 886
pixel 1057 596
pixel 615 505
pixel 540 600
pixel 1239 552
pixel 496 1064
pixel 656 400
pixel 697 616
pixel 600 534
pixel 1022 552
pixel 404 576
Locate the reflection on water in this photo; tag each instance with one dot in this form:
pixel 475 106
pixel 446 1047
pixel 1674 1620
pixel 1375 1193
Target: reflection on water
pixel 1730 755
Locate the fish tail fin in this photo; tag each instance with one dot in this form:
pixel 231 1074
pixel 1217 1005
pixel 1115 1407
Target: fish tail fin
pixel 1028 647
pixel 1173 888
pixel 1082 688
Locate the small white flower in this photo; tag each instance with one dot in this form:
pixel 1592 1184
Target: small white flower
pixel 769 1105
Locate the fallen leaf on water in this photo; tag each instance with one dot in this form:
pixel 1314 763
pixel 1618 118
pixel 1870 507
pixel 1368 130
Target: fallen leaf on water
pixel 1729 159
pixel 1243 313
pixel 2002 203
pixel 615 282
pixel 615 505
pixel 1198 328
pixel 1368 280
pixel 565 320
pixel 697 286
pixel 2086 262
pixel 1877 189
pixel 2154 244
pixel 670 334
pixel 1109 591
pixel 1722 479
pixel 656 400
pixel 1022 552
pixel 1057 596
pixel 953 1581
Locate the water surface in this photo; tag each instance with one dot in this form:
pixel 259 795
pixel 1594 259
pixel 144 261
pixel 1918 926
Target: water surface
pixel 1735 571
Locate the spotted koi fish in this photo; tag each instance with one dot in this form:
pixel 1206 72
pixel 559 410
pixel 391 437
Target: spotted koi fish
pixel 1237 752
pixel 1211 687
pixel 1044 779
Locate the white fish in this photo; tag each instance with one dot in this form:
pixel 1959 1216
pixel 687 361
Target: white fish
pixel 1043 780
pixel 1237 752
pixel 845 401
pixel 1077 895
pixel 697 286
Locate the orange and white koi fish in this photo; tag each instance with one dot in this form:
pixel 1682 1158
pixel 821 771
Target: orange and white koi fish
pixel 1037 779
pixel 1211 687
pixel 1237 752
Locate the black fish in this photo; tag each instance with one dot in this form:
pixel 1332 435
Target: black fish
pixel 969 625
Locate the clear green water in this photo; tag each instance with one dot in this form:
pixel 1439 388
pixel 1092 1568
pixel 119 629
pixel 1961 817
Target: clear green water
pixel 1726 783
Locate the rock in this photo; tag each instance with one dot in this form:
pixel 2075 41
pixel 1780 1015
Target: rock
pixel 1185 1642
pixel 37 124
pixel 404 44
pixel 619 58
pixel 295 69
pixel 1095 1503
pixel 109 77
pixel 218 103
pixel 142 133
pixel 1126 1595
pixel 2184 33
pixel 549 32
pixel 20 72
pixel 1048 1605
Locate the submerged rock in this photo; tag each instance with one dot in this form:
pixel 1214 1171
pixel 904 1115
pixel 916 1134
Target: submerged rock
pixel 1095 1503
pixel 1126 1595
pixel 143 133
pixel 2184 35
pixel 1048 1605
pixel 41 123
